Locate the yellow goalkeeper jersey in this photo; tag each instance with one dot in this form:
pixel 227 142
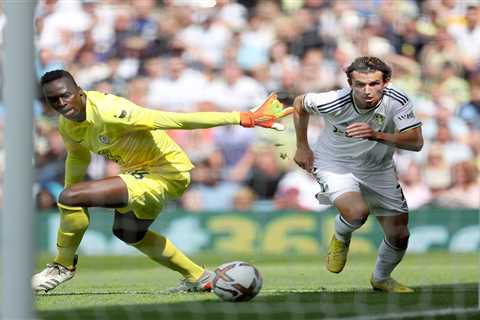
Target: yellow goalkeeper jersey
pixel 130 135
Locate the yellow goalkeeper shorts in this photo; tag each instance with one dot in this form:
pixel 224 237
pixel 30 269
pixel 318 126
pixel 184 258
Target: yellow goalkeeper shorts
pixel 149 188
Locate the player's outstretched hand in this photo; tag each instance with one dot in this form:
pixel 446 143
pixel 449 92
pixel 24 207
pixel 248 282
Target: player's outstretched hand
pixel 266 114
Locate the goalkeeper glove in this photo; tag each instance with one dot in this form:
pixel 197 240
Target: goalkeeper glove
pixel 266 114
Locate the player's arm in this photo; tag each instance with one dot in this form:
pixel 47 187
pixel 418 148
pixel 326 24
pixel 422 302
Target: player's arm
pixel 76 164
pixel 264 115
pixel 303 154
pixel 408 135
pixel 410 139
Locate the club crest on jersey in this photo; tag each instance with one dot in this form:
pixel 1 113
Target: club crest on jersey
pixel 103 139
pixel 379 119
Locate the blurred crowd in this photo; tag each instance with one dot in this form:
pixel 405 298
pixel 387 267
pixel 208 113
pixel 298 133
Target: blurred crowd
pixel 222 55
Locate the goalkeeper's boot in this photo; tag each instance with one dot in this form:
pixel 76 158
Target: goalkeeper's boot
pixel 203 284
pixel 389 285
pixel 52 276
pixel 337 255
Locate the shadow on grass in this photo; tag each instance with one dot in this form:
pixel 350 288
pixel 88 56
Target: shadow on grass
pixel 440 302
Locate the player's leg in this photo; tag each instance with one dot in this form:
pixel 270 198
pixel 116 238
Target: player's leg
pixel 73 203
pixel 353 212
pixel 111 192
pixel 74 219
pixel 134 231
pixel 391 252
pixel 387 203
pixel 147 195
pixel 342 190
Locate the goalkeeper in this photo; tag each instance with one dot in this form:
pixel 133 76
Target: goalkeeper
pixel 153 169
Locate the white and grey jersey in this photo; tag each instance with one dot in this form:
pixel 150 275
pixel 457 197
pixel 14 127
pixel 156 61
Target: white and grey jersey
pixel 334 150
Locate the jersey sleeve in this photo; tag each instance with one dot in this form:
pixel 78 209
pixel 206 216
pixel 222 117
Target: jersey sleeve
pixel 134 117
pixel 326 102
pixel 77 161
pixel 404 117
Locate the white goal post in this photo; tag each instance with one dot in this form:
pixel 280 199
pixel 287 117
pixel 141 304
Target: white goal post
pixel 17 215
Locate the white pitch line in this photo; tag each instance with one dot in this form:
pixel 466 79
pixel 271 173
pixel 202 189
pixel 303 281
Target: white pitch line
pixel 79 293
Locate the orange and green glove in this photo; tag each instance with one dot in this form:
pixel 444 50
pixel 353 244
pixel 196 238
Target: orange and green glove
pixel 266 114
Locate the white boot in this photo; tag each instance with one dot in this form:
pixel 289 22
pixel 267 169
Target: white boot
pixel 53 275
pixel 203 284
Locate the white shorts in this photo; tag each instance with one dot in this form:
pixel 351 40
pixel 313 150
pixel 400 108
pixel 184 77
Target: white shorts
pixel 381 190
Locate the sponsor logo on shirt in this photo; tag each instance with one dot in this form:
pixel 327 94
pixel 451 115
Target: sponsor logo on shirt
pixel 409 115
pixel 339 132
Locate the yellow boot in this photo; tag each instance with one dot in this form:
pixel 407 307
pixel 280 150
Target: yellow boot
pixel 337 255
pixel 389 285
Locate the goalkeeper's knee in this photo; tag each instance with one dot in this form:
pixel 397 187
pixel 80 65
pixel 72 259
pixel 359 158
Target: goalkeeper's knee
pixel 129 236
pixel 73 219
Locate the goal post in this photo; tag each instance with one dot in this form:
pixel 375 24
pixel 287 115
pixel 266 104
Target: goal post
pixel 17 214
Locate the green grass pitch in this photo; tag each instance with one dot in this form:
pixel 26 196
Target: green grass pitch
pixel 294 287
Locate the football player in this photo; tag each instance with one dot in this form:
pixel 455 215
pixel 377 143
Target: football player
pixel 153 169
pixel 352 161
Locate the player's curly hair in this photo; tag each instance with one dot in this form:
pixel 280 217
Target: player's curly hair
pixel 56 74
pixel 369 64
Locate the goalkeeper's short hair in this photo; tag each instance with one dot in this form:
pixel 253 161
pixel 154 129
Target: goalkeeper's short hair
pixel 56 74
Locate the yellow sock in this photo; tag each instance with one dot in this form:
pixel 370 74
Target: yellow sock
pixel 163 251
pixel 73 223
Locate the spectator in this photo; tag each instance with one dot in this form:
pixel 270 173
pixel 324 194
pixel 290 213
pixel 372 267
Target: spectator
pixel 453 150
pixel 465 189
pixel 318 73
pixel 180 90
pixel 45 200
pixel 206 40
pixel 444 117
pixel 265 174
pixel 233 143
pixel 297 191
pixel 470 111
pixel 437 170
pixel 280 63
pixel 436 53
pixel 231 13
pixel 261 171
pixel 467 37
pixel 210 191
pixel 234 89
pixel 259 35
pixel 244 200
pixel 181 57
pixel 451 85
pixel 416 191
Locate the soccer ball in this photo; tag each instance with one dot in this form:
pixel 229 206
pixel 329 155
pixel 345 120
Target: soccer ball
pixel 237 281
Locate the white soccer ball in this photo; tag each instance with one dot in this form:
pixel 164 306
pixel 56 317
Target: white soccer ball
pixel 237 281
